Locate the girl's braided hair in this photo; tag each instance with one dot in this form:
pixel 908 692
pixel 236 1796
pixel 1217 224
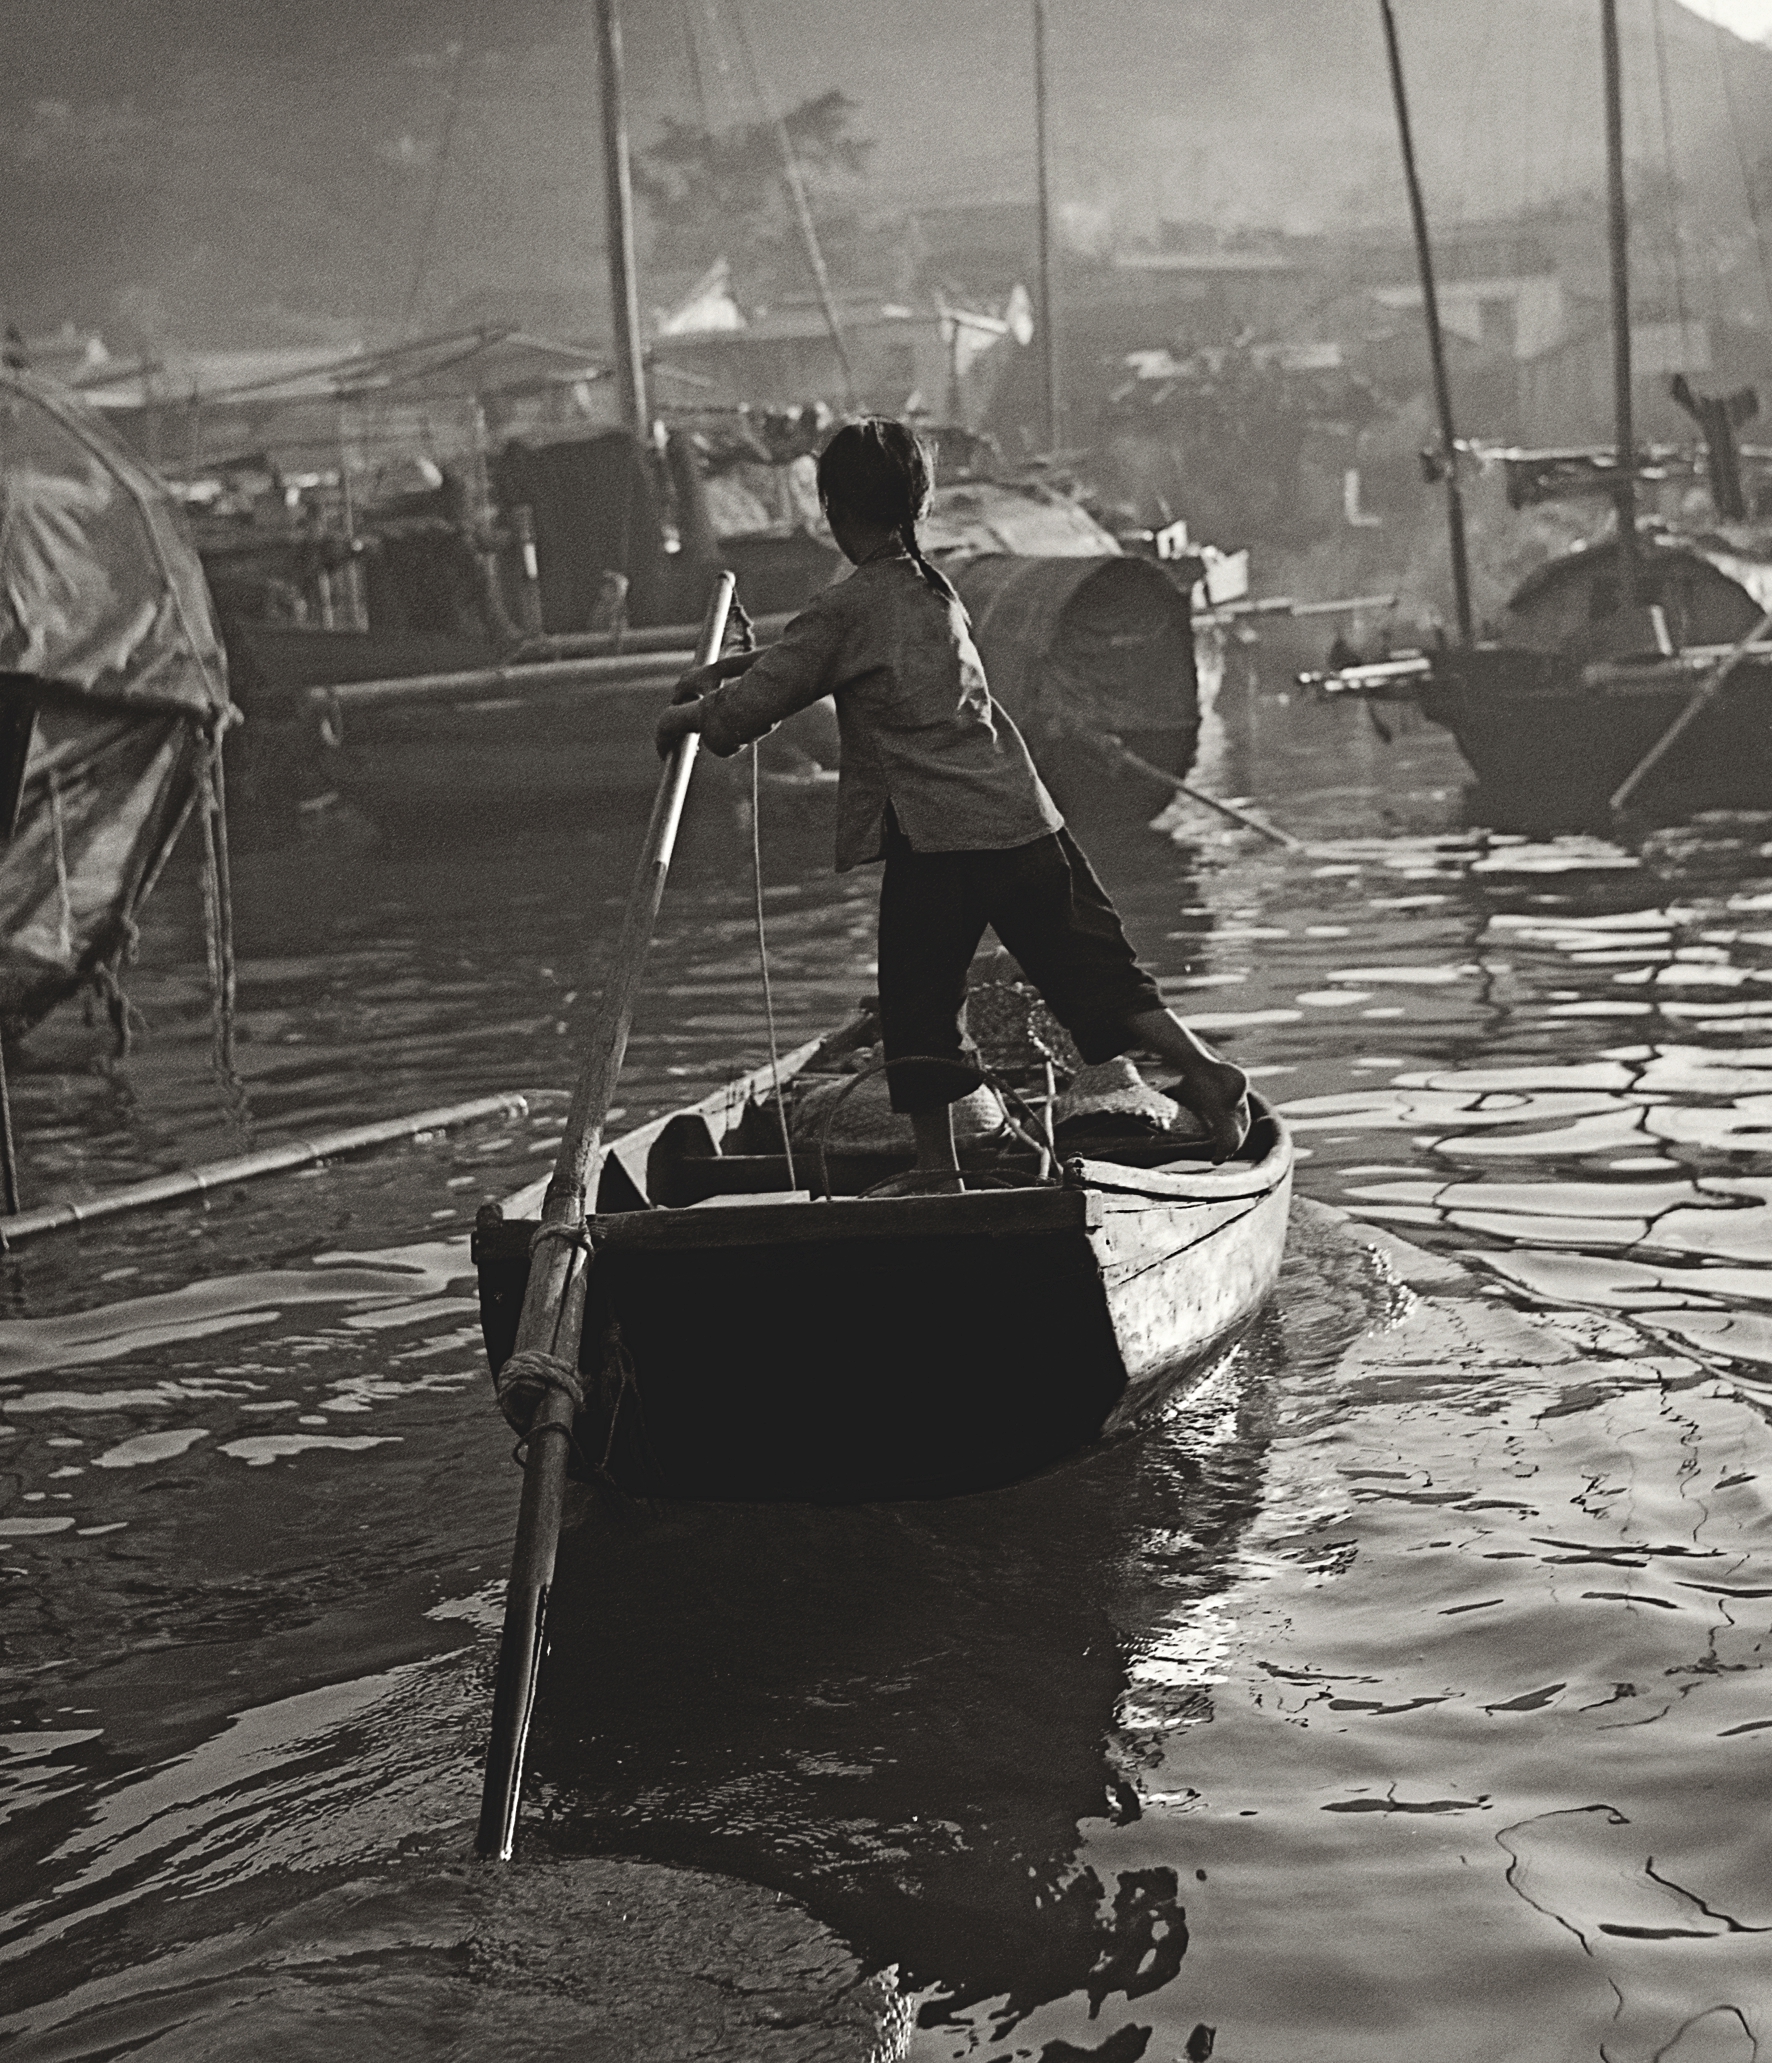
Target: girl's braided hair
pixel 878 470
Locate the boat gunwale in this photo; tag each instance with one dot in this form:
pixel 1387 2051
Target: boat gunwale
pixel 1080 1202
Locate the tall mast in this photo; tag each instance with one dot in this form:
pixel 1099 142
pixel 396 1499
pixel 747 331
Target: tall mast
pixel 1624 489
pixel 795 183
pixel 1048 357
pixel 618 194
pixel 1436 343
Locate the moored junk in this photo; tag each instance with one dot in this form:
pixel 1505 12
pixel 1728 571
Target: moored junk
pixel 115 693
pixel 1556 713
pixel 1633 673
pixel 1610 682
pixel 595 540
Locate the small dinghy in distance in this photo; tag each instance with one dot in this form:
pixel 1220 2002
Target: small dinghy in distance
pixel 745 1342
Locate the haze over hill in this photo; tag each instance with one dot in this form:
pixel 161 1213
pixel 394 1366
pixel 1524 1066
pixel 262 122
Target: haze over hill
pixel 259 172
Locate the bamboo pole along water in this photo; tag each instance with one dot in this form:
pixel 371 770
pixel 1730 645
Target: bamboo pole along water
pixel 651 637
pixel 1706 693
pixel 250 1167
pixel 643 672
pixel 554 1303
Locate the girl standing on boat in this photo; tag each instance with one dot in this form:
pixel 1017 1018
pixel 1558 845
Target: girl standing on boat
pixel 937 782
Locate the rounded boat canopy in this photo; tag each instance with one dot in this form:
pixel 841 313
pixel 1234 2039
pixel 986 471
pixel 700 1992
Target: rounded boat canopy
pixel 1702 595
pixel 1097 644
pixel 100 594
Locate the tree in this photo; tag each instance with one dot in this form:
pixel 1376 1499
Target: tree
pixel 724 194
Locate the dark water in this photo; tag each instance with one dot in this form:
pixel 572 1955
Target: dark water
pixel 1401 1696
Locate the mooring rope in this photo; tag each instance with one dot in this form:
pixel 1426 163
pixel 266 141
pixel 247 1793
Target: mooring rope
pixel 746 632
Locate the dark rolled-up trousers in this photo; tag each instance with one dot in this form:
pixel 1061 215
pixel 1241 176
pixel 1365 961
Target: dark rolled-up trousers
pixel 1046 906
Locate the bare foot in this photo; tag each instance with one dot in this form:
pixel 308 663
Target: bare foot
pixel 1217 1092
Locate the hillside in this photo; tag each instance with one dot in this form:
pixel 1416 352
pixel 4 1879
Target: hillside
pixel 259 173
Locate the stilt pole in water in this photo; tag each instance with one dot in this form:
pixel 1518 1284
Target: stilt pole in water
pixel 1436 343
pixel 1624 491
pixel 8 1155
pixel 554 1303
pixel 1048 347
pixel 618 197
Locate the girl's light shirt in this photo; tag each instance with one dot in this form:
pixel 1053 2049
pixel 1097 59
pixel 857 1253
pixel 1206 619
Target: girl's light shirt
pixel 919 729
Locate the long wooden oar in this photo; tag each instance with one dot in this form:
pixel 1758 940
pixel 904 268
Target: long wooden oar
pixel 554 1304
pixel 1115 756
pixel 1705 694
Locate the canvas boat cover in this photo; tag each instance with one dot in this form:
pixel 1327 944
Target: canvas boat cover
pixel 99 592
pixel 104 604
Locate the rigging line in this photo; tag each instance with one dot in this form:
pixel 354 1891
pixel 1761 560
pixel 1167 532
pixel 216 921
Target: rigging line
pixel 781 1102
pixel 1577 50
pixel 722 61
pixel 1720 49
pixel 1478 72
pixel 1673 184
pixel 445 137
pixel 796 184
pixel 695 73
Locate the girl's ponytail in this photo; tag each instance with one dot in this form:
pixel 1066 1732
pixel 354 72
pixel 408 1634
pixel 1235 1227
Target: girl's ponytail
pixel 879 469
pixel 932 574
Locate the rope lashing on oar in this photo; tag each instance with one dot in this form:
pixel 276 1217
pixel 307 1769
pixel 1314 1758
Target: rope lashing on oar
pixel 573 1235
pixel 525 1379
pixel 528 1376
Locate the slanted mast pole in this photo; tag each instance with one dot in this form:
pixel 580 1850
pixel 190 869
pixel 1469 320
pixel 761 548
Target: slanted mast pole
pixel 1048 354
pixel 618 196
pixel 1436 343
pixel 1624 489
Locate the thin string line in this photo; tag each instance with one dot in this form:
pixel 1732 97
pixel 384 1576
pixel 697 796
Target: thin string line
pixel 1720 49
pixel 422 259
pixel 747 642
pixel 781 1104
pixel 1673 184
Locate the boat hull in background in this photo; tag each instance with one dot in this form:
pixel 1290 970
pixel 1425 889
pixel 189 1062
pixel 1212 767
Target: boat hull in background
pixel 1549 749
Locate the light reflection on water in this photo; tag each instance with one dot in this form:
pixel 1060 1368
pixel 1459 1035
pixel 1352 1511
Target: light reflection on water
pixel 1366 1704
